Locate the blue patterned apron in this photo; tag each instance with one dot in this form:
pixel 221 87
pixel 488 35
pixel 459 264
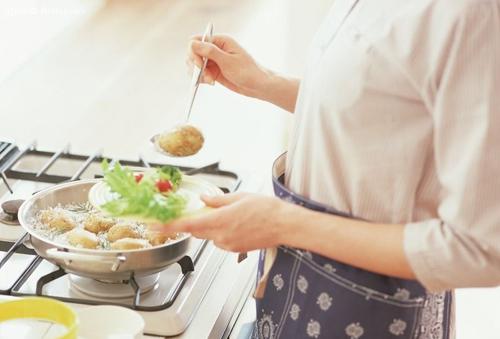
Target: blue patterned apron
pixel 311 296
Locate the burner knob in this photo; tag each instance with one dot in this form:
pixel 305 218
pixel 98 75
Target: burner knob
pixel 11 208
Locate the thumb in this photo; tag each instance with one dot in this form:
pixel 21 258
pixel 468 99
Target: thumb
pixel 208 50
pixel 216 201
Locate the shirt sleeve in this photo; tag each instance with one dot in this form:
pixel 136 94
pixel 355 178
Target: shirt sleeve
pixel 461 248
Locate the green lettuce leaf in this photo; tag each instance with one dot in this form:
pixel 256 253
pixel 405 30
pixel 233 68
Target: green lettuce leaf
pixel 142 198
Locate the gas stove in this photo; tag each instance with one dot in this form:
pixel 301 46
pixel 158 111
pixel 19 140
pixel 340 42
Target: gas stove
pixel 171 302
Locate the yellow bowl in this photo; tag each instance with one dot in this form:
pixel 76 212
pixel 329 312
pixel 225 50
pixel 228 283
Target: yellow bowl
pixel 42 309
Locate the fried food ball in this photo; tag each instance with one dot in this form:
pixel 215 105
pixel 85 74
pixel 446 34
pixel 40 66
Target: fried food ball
pixel 95 223
pixel 183 141
pixel 122 230
pixel 81 238
pixel 159 238
pixel 57 219
pixel 130 244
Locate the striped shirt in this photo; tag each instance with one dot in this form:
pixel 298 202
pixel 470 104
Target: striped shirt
pixel 398 121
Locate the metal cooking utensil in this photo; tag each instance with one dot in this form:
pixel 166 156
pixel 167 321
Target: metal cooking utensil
pixel 198 72
pixel 94 263
pixel 195 83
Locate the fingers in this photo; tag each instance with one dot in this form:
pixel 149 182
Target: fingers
pixel 224 42
pixel 205 224
pixel 200 225
pixel 209 75
pixel 218 53
pixel 195 60
pixel 182 225
pixel 221 200
pixel 208 50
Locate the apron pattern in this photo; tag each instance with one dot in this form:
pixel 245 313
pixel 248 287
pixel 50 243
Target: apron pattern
pixel 311 296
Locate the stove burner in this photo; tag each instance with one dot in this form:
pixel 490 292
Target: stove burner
pixel 112 290
pixel 24 167
pixel 8 214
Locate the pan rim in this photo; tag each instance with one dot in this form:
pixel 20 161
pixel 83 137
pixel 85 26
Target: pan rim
pixel 68 248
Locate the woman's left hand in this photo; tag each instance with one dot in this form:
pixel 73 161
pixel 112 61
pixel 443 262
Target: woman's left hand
pixel 240 222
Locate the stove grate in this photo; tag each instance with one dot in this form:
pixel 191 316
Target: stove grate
pixel 19 248
pixel 9 172
pixel 10 155
pixel 186 263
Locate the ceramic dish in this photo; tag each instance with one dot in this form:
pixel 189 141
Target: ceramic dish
pixel 191 189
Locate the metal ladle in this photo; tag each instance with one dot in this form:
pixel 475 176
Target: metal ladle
pixel 185 140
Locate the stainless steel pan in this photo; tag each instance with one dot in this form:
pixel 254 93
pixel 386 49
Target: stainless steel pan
pixel 98 264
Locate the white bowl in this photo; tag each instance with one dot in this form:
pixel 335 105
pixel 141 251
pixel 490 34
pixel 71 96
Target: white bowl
pixel 110 322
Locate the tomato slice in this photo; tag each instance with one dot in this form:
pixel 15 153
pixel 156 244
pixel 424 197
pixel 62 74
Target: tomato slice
pixel 164 185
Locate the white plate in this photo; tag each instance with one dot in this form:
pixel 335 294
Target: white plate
pixel 191 188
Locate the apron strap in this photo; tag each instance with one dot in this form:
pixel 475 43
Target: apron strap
pixel 270 257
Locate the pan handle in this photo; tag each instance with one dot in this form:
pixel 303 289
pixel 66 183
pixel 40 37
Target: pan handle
pixel 69 257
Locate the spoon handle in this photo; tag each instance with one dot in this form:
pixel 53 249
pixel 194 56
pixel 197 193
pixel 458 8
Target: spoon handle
pixel 198 72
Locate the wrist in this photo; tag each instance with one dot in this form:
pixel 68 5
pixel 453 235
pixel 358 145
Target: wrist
pixel 264 81
pixel 306 229
pixel 278 90
pixel 269 84
pixel 293 222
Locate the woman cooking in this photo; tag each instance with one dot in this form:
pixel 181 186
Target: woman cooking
pixel 389 192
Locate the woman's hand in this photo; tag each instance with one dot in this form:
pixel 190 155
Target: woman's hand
pixel 232 66
pixel 228 63
pixel 241 222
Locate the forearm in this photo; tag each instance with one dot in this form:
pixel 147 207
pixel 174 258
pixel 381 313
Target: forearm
pixel 374 247
pixel 279 90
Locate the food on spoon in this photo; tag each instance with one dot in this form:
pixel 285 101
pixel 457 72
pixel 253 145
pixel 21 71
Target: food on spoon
pixel 159 238
pixel 81 238
pixel 95 223
pixel 123 230
pixel 130 244
pixel 152 195
pixel 57 219
pixel 182 141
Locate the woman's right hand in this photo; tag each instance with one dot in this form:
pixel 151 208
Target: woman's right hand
pixel 231 66
pixel 228 64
